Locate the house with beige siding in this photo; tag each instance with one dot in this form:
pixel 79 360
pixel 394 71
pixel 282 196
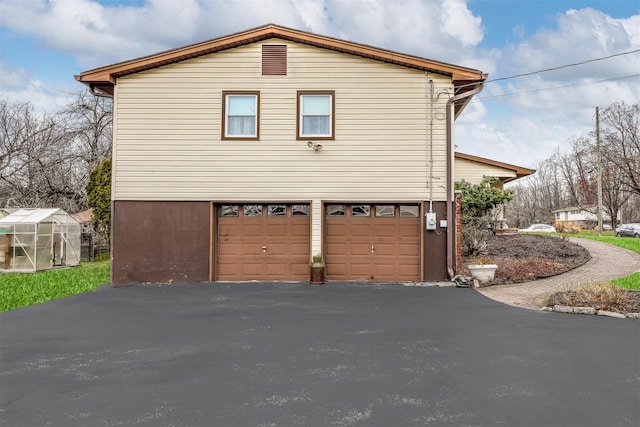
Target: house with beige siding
pixel 473 169
pixel 241 157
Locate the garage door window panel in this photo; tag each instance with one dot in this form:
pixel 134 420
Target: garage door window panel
pixel 361 210
pixel 336 210
pixel 228 210
pixel 409 211
pixel 385 211
pixel 277 210
pixel 300 210
pixel 252 210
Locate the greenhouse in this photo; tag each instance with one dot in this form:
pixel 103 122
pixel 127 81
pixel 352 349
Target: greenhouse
pixel 38 239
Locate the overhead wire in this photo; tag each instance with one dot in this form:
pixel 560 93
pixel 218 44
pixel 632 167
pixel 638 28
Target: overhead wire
pixel 575 64
pixel 511 94
pixel 560 67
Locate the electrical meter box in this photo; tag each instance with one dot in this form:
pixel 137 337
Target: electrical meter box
pixel 431 220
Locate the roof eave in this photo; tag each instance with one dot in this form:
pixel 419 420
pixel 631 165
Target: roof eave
pixel 520 171
pixel 105 77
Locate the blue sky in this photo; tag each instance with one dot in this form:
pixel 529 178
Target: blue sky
pixel 521 120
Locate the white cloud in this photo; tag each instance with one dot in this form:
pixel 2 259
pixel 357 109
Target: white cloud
pixel 459 22
pixel 97 35
pixel 20 86
pixel 580 35
pixel 12 78
pixel 546 110
pixel 521 129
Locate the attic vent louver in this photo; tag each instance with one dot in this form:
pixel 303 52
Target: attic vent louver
pixel 274 60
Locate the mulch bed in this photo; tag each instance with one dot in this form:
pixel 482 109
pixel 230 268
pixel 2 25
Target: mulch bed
pixel 610 299
pixel 526 257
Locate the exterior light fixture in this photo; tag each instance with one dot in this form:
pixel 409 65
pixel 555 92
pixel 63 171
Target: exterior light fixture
pixel 315 145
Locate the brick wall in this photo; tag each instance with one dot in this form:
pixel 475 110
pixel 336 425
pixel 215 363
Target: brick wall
pixel 458 259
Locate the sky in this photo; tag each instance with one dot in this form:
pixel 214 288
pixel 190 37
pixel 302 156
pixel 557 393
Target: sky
pixel 519 120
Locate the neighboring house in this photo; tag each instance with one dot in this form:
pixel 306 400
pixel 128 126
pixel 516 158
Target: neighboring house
pixel 240 157
pixel 85 218
pixel 473 169
pixel 586 217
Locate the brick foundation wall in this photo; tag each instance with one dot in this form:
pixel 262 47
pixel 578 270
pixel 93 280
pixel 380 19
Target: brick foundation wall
pixel 458 259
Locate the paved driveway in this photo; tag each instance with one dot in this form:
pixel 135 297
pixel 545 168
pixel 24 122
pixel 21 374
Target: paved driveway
pixel 292 354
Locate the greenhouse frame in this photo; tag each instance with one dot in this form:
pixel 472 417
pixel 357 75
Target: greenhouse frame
pixel 38 239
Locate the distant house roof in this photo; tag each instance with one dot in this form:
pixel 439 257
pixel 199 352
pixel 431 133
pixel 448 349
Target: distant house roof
pixel 84 216
pixel 519 171
pixel 104 79
pixel 586 208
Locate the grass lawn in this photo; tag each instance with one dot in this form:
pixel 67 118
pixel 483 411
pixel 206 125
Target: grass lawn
pixel 629 282
pixel 23 289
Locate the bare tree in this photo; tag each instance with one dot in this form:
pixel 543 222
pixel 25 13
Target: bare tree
pixel 29 150
pixel 88 122
pixel 579 169
pixel 570 179
pixel 45 160
pixel 537 196
pixel 620 126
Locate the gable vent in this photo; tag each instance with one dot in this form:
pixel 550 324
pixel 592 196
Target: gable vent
pixel 274 60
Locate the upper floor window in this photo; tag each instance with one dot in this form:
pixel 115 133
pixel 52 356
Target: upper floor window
pixel 316 115
pixel 241 115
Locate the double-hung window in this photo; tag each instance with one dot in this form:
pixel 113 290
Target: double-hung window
pixel 316 115
pixel 241 115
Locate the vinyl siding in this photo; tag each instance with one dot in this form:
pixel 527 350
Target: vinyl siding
pixel 168 142
pixel 473 172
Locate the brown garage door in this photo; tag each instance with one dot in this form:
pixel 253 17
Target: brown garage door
pixel 263 242
pixel 372 242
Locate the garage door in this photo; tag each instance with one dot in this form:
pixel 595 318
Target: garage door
pixel 263 242
pixel 372 242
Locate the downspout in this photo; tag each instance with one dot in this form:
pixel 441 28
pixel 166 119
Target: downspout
pixel 451 226
pixel 98 92
pixel 430 165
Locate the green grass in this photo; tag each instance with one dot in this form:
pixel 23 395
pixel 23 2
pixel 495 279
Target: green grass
pixel 24 289
pixel 623 242
pixel 629 282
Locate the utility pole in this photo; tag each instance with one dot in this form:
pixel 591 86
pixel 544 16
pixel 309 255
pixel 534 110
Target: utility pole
pixel 599 161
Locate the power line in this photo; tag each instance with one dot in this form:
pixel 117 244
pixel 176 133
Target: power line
pixel 507 95
pixel 552 68
pixel 564 66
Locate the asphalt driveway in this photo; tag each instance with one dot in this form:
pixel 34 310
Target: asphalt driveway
pixel 292 354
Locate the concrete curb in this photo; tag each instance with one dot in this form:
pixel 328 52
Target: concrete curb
pixel 590 310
